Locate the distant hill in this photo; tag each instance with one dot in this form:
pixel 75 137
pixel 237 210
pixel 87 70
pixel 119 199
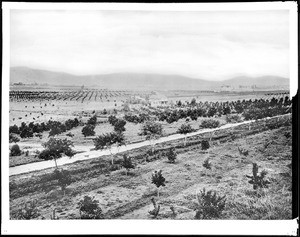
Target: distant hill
pixel 139 81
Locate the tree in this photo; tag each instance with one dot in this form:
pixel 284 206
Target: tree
pixel 88 130
pixel 14 129
pixel 106 141
pixel 112 119
pixel 54 148
pixel 158 180
pixel 127 163
pixel 193 102
pixel 89 208
pixel 185 129
pixel 55 130
pixel 151 130
pixel 119 125
pixel 209 123
pixel 15 150
pixel 258 180
pixel 63 177
pixel 171 154
pixel 204 145
pixel 92 120
pixel 26 132
pixel 179 103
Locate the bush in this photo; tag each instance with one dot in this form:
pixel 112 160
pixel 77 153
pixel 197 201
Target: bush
pixel 112 119
pixel 26 132
pixel 63 177
pixel 119 125
pixel 55 148
pixel 210 205
pixel 29 212
pixel 253 113
pixel 15 150
pixel 233 118
pixel 206 164
pixel 88 130
pixel 185 128
pixel 55 131
pixel 171 154
pixel 258 181
pixel 13 138
pixel 209 123
pixel 14 129
pixel 158 179
pixel 127 163
pixel 92 120
pixel 107 140
pixel 204 145
pixel 89 208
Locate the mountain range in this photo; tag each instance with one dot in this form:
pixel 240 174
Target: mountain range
pixel 142 81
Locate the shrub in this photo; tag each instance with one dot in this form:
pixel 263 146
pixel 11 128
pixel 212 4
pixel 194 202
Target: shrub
pixel 206 164
pixel 15 150
pixel 210 205
pixel 70 134
pixel 158 180
pixel 55 131
pixel 204 145
pixel 14 129
pixel 209 123
pixel 55 148
pixel 88 130
pixel 92 120
pixel 119 125
pixel 26 132
pixel 29 212
pixel 63 177
pixel 112 119
pixel 243 151
pixel 107 140
pixel 13 138
pixel 253 113
pixel 89 208
pixel 233 118
pixel 185 129
pixel 127 163
pixel 258 181
pixel 171 154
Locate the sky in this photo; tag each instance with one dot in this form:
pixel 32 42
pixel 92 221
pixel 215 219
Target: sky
pixel 211 45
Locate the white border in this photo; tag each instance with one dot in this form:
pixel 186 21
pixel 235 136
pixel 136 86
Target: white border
pixel 222 227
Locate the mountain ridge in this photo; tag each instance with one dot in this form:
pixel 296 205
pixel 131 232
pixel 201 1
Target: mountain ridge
pixel 139 81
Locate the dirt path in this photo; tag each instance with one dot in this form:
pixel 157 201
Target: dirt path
pixel 88 154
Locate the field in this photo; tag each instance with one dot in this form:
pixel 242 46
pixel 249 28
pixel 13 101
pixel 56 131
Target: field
pixel 128 194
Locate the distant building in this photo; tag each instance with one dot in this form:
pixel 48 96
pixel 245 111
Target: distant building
pixel 158 100
pixel 226 88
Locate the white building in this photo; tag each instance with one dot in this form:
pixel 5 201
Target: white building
pixel 158 100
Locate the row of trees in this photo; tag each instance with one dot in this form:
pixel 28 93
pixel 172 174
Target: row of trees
pixel 214 109
pixel 54 127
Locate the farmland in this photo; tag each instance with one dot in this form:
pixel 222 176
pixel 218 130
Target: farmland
pixel 224 166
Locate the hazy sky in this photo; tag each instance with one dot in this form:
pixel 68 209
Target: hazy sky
pixel 208 45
